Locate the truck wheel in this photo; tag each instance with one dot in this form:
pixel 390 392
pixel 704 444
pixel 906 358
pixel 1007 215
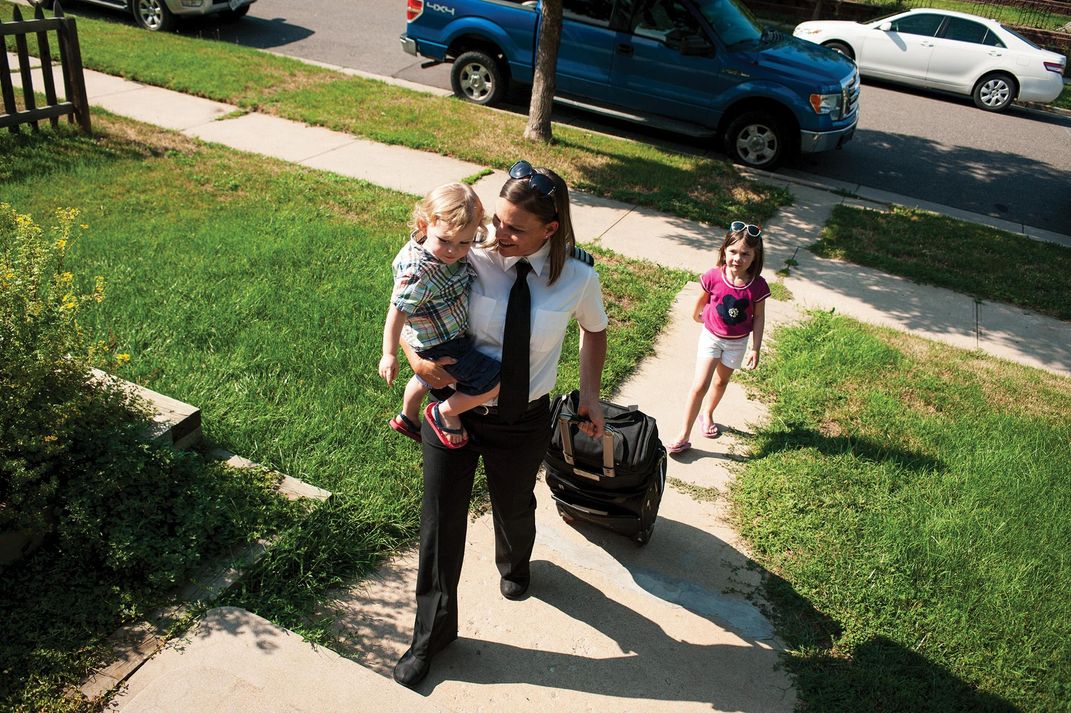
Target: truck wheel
pixel 478 78
pixel 994 92
pixel 153 15
pixel 756 139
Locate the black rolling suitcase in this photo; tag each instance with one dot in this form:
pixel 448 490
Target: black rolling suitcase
pixel 616 482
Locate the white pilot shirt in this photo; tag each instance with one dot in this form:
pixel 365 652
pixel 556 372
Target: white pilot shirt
pixel 575 293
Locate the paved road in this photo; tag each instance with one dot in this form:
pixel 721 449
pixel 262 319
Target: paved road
pixel 1015 166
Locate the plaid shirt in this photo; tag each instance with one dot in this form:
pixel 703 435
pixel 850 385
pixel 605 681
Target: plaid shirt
pixel 433 295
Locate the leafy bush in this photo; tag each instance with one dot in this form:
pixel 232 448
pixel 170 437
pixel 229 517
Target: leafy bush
pixel 73 451
pixel 44 364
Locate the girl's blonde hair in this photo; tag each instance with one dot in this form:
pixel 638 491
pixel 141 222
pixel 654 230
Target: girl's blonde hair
pixel 753 241
pixel 452 205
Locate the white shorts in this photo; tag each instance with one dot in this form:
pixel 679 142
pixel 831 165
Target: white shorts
pixel 729 351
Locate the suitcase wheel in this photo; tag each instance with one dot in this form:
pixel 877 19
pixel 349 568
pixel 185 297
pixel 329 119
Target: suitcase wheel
pixel 642 537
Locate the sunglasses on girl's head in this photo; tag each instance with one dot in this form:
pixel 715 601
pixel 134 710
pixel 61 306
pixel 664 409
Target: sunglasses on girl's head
pixel 753 230
pixel 543 185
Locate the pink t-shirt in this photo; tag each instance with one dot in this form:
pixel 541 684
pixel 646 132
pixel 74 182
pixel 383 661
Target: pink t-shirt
pixel 730 313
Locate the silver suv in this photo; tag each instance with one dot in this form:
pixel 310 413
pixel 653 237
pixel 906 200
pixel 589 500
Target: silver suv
pixel 161 15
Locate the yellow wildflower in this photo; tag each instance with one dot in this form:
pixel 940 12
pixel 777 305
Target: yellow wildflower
pixel 122 359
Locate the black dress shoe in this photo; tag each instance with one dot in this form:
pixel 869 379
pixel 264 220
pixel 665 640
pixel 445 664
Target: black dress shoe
pixel 513 590
pixel 410 670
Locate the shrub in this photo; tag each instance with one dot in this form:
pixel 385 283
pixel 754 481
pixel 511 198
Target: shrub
pixel 73 451
pixel 44 364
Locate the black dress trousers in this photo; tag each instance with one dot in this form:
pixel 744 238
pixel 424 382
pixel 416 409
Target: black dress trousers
pixel 512 454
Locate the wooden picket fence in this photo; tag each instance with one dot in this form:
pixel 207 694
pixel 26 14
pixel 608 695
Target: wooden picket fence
pixel 75 105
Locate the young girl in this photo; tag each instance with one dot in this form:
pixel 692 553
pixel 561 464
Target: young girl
pixel 429 309
pixel 730 307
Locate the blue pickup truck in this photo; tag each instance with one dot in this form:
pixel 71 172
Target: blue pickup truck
pixel 700 67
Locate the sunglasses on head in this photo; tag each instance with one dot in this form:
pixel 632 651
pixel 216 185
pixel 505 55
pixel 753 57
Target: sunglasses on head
pixel 753 230
pixel 540 183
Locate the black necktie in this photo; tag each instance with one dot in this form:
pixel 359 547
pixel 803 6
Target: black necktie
pixel 513 395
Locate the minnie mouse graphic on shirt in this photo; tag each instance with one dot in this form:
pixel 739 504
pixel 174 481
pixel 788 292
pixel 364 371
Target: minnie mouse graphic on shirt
pixel 733 310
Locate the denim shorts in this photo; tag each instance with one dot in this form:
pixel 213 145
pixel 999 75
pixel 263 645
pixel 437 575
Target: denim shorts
pixel 476 373
pixel 729 351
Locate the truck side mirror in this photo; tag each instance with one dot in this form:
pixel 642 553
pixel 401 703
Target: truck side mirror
pixel 688 43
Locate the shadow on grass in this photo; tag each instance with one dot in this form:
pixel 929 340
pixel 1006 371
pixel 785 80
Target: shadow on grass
pixel 49 151
pixel 883 676
pixel 862 448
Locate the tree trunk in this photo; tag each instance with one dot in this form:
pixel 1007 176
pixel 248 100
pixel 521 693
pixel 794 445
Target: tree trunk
pixel 550 34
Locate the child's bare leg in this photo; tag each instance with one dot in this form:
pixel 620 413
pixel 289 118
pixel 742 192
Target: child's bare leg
pixel 722 375
pixel 413 398
pixel 451 409
pixel 704 369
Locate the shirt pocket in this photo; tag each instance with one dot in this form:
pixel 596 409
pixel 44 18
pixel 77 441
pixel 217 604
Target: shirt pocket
pixel 548 329
pixel 486 320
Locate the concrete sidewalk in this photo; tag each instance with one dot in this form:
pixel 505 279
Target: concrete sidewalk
pixel 674 626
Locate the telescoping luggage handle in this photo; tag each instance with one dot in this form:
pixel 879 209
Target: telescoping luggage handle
pixel 567 448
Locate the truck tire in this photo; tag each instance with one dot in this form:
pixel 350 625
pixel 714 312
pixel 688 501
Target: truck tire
pixel 478 78
pixel 756 139
pixel 153 15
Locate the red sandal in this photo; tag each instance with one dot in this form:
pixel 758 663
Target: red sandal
pixel 404 426
pixel 443 433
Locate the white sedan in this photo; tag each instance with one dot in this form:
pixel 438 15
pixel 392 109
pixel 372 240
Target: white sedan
pixel 948 51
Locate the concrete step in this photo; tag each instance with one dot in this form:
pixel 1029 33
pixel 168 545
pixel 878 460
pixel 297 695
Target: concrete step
pixel 174 423
pixel 236 661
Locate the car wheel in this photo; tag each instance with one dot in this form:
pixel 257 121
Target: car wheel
pixel 995 92
pixel 841 48
pixel 756 139
pixel 153 15
pixel 478 78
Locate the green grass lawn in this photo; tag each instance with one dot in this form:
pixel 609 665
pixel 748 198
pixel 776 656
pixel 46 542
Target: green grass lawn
pixel 704 189
pixel 911 501
pixel 257 291
pixel 973 259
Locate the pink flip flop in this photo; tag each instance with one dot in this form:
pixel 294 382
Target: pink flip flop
pixel 678 447
pixel 404 426
pixel 443 433
pixel 709 428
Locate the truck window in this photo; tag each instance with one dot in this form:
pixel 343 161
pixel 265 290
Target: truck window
pixel 667 21
pixel 732 22
pixel 594 12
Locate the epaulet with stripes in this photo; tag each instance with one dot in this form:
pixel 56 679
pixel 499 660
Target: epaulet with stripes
pixel 583 256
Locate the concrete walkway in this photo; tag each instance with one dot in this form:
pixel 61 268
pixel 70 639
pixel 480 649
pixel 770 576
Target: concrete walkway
pixel 674 626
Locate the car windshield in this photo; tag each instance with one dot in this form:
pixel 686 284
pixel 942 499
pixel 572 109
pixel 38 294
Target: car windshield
pixel 878 20
pixel 734 23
